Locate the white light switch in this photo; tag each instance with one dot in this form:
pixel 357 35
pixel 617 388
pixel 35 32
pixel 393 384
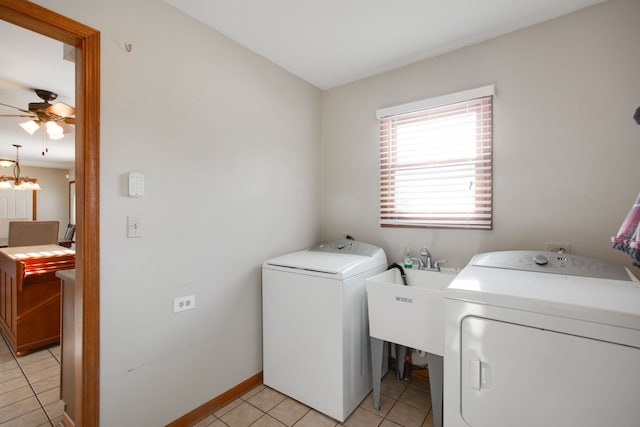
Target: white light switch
pixel 134 226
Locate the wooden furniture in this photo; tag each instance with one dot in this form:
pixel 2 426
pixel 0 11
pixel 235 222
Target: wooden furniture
pixel 30 295
pixel 69 359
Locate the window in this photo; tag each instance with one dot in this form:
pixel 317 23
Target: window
pixel 436 162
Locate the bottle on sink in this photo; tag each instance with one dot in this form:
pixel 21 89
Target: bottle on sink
pixel 408 262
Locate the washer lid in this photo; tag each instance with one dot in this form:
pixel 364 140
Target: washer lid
pixel 551 262
pixel 347 246
pixel 338 265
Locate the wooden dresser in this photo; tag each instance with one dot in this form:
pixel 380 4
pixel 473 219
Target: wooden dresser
pixel 30 294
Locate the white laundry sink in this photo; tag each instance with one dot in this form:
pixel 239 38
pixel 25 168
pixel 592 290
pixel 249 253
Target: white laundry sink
pixel 411 315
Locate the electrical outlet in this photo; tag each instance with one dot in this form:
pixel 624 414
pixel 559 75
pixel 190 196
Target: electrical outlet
pixel 184 303
pixel 558 247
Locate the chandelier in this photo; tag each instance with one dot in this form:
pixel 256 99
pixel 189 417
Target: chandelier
pixel 17 182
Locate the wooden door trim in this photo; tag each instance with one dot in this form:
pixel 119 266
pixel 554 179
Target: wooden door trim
pixel 87 41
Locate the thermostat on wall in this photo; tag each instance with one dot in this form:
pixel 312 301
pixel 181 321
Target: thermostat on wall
pixel 136 184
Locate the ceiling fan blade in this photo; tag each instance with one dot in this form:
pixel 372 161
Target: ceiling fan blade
pixel 19 109
pixel 18 115
pixel 66 128
pixel 61 109
pixel 49 116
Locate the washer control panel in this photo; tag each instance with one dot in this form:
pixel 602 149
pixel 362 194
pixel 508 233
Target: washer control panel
pixel 347 246
pixel 552 262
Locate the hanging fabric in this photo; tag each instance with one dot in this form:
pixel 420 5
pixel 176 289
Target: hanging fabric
pixel 628 237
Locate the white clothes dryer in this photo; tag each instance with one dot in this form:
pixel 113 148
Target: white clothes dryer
pixel 541 339
pixel 315 325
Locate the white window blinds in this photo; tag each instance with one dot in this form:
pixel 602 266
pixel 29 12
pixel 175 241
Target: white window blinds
pixel 436 163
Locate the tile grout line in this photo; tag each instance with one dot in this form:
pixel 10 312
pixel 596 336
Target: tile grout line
pixel 24 375
pixel 29 383
pixel 309 409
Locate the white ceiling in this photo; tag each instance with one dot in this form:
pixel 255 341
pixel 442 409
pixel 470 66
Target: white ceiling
pixel 332 42
pixel 29 60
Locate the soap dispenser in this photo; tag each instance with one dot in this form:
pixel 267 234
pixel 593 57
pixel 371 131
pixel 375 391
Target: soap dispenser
pixel 408 263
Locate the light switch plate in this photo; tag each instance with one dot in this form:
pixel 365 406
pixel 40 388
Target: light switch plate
pixel 134 226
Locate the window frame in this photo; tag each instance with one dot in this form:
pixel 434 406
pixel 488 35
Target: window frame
pixel 481 216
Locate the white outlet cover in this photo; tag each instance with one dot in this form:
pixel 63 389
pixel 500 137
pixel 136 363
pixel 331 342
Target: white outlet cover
pixel 184 303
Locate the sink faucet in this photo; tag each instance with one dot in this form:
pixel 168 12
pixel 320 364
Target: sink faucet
pixel 426 263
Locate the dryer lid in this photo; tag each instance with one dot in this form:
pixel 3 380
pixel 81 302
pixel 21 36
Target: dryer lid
pixel 592 299
pixel 553 263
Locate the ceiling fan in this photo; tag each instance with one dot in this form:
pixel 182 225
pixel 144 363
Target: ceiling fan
pixel 57 117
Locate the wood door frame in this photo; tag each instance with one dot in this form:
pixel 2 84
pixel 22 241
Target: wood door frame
pixel 87 42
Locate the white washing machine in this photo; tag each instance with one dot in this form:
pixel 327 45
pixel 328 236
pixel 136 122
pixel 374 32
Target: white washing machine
pixel 541 339
pixel 315 325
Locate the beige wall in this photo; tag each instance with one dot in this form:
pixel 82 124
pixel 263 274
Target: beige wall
pixel 229 146
pixel 53 199
pixel 566 147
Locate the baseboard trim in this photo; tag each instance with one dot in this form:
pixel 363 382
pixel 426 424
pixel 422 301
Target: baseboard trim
pixel 217 402
pixel 66 420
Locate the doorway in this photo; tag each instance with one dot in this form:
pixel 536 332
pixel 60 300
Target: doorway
pixel 87 43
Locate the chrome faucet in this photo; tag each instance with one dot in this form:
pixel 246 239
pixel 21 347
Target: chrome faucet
pixel 425 262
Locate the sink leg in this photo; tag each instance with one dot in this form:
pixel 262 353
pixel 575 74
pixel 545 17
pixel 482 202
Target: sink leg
pixel 435 384
pixel 376 369
pixel 401 352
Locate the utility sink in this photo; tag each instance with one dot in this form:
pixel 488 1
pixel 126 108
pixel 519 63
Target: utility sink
pixel 411 315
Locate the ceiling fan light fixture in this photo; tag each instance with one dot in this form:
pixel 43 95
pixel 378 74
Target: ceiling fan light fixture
pixel 53 128
pixel 30 126
pixel 56 119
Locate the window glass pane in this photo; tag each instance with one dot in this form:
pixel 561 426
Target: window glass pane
pixel 437 140
pixel 424 192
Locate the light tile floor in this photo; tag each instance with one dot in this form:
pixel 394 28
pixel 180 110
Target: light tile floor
pixel 30 397
pixel 30 388
pixel 402 404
